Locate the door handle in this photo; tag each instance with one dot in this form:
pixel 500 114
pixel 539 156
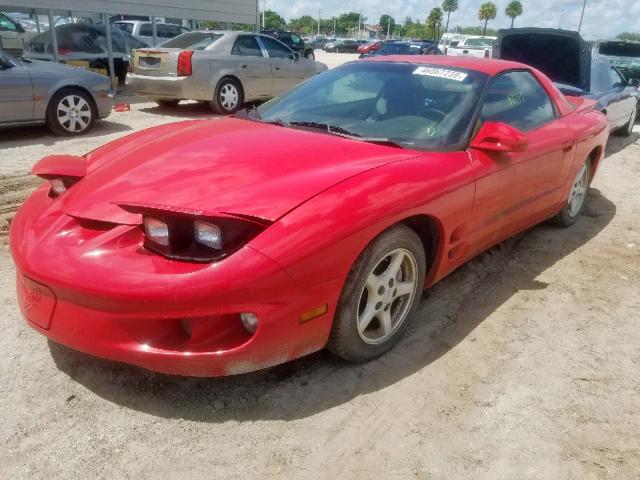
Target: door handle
pixel 244 66
pixel 278 68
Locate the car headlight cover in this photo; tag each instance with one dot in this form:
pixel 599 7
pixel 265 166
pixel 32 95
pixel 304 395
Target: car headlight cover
pixel 208 234
pixel 156 231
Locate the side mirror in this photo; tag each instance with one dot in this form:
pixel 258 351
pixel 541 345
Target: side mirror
pixel 294 55
pixel 500 137
pixel 633 82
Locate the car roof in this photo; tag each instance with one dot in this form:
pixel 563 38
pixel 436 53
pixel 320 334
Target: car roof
pixel 485 65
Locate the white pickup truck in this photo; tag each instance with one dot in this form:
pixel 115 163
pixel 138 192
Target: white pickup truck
pixel 480 47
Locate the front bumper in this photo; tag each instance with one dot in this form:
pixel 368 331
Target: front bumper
pixel 100 293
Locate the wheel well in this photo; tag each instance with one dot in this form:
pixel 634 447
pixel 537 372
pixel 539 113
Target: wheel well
pixel 427 228
pixel 74 87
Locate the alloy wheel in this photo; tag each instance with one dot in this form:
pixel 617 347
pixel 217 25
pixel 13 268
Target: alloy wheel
pixel 387 296
pixel 229 96
pixel 579 191
pixel 73 113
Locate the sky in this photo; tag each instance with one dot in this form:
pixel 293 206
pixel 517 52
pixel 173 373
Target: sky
pixel 602 18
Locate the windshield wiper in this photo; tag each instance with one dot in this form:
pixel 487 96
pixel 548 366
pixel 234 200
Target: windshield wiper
pixel 344 133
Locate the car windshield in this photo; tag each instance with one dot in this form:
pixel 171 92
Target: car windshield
pixel 411 105
pixel 193 40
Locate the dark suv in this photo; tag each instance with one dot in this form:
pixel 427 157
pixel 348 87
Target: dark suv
pixel 291 40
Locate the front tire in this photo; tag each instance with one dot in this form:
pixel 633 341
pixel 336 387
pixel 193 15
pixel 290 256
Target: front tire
pixel 577 197
pixel 71 111
pixel 380 296
pixel 228 97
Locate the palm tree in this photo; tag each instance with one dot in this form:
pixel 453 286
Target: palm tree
pixel 488 11
pixel 449 6
pixel 434 22
pixel 513 10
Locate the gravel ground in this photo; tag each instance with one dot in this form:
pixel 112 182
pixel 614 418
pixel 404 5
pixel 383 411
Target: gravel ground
pixel 524 364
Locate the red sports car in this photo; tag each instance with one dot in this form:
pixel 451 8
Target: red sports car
pixel 228 245
pixel 370 47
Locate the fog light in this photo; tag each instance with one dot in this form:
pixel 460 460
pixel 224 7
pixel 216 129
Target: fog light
pixel 250 322
pixel 156 231
pixel 58 187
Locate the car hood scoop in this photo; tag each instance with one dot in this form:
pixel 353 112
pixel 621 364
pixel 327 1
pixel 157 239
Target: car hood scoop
pixel 229 165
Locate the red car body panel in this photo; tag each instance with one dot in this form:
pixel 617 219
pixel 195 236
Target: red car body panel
pixel 370 47
pixel 85 280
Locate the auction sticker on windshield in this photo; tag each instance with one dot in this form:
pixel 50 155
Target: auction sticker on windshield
pixel 440 73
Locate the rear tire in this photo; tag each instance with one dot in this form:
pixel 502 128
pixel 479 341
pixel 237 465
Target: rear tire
pixel 380 296
pixel 228 97
pixel 627 130
pixel 310 56
pixel 71 112
pixel 577 197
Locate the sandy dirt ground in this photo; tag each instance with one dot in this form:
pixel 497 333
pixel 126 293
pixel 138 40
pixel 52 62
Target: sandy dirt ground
pixel 524 364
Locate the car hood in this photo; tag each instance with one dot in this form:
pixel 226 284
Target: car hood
pixel 219 166
pixel 562 55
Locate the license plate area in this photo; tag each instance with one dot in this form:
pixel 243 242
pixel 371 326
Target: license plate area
pixel 150 62
pixel 37 301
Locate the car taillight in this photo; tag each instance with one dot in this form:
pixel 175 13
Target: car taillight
pixel 184 63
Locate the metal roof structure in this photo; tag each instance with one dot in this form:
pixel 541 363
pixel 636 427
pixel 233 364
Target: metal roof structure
pixel 232 11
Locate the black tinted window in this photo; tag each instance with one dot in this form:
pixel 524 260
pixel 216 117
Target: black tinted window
pixel 517 99
pixel 146 30
pixel 193 40
pixel 275 48
pixel 246 45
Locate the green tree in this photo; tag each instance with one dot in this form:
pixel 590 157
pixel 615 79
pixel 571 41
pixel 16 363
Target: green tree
pixel 630 36
pixel 513 10
pixel 434 23
pixel 488 11
pixel 273 20
pixel 388 24
pixel 305 24
pixel 449 6
pixel 348 22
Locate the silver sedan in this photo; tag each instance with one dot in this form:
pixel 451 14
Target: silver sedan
pixel 226 69
pixel 68 99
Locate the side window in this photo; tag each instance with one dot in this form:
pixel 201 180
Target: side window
pixel 517 99
pixel 6 25
pixel 615 79
pixel 246 45
pixel 146 31
pixel 275 48
pixel 295 40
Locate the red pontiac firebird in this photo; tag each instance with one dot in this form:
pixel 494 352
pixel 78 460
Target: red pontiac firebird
pixel 223 246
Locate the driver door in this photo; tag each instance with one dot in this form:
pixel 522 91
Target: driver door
pixel 518 189
pixel 285 70
pixel 16 92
